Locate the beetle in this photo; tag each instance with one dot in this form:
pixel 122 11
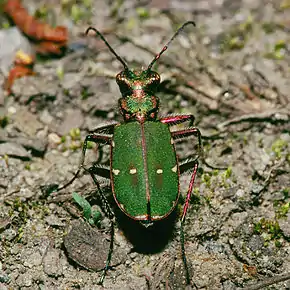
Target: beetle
pixel 144 168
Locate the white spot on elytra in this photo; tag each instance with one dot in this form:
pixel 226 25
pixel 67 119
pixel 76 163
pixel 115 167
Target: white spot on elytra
pixel 171 141
pixel 113 144
pixel 159 171
pixel 133 171
pixel 174 169
pixel 116 171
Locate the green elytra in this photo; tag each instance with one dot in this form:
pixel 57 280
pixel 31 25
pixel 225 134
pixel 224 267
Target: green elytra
pixel 144 170
pixel 145 183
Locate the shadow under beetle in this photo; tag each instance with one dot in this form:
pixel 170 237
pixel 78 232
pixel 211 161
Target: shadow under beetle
pixel 144 170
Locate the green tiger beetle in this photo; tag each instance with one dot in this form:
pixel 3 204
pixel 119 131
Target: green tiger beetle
pixel 144 169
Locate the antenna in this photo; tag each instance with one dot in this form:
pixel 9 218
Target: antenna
pixel 108 45
pixel 168 43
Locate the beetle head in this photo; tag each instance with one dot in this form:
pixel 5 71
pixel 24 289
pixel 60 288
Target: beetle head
pixel 138 88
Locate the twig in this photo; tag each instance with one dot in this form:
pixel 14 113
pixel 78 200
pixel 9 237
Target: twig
pixel 268 282
pixel 277 115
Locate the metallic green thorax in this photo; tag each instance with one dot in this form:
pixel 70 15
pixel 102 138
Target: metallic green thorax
pixel 145 183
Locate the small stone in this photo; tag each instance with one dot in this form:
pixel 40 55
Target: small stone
pixel 34 259
pixel 9 234
pixel 46 117
pixel 51 263
pixel 14 150
pixel 27 122
pixel 54 221
pixel 53 139
pixel 73 119
pixel 4 223
pixel 3 287
pixel 35 145
pixel 24 280
pixel 284 225
pixel 26 193
pixel 240 193
pixel 89 247
pixel 12 110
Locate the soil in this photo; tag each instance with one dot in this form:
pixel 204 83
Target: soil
pixel 231 72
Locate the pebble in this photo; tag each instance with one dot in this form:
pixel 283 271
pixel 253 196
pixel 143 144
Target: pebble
pixel 51 263
pixel 14 149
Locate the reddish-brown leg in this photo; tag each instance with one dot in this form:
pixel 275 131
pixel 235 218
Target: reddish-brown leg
pixel 178 119
pixel 177 135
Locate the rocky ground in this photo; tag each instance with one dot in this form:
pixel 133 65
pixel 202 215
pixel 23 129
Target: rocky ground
pixel 231 72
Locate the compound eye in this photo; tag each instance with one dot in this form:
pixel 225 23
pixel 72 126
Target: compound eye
pixel 155 78
pixel 120 77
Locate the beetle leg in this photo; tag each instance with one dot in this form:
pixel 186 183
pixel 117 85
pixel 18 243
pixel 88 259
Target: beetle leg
pixel 93 137
pixel 179 135
pixel 178 119
pixel 97 136
pixel 176 135
pixel 100 139
pixel 105 128
pixel 194 131
pixel 185 208
pixel 93 170
pixel 100 170
pixel 108 211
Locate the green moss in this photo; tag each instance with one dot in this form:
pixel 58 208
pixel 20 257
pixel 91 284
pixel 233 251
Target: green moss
pixel 235 42
pixel 5 24
pixel 85 94
pixel 282 210
pixel 90 145
pixel 218 178
pixel 76 13
pixel 286 192
pixel 226 176
pixel 269 229
pixel 285 4
pixel 78 10
pixel 19 210
pixel 19 234
pixel 228 172
pixel 60 72
pixel 75 134
pixel 278 51
pixel 143 12
pixel 196 200
pixel 278 147
pixel 73 141
pixel 27 166
pixel 116 5
pixel 206 178
pixel 87 3
pixel 42 12
pixel 4 121
pixel 269 27
pixel 237 37
pixel 131 23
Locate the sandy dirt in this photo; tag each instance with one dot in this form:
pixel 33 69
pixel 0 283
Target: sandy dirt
pixel 231 72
